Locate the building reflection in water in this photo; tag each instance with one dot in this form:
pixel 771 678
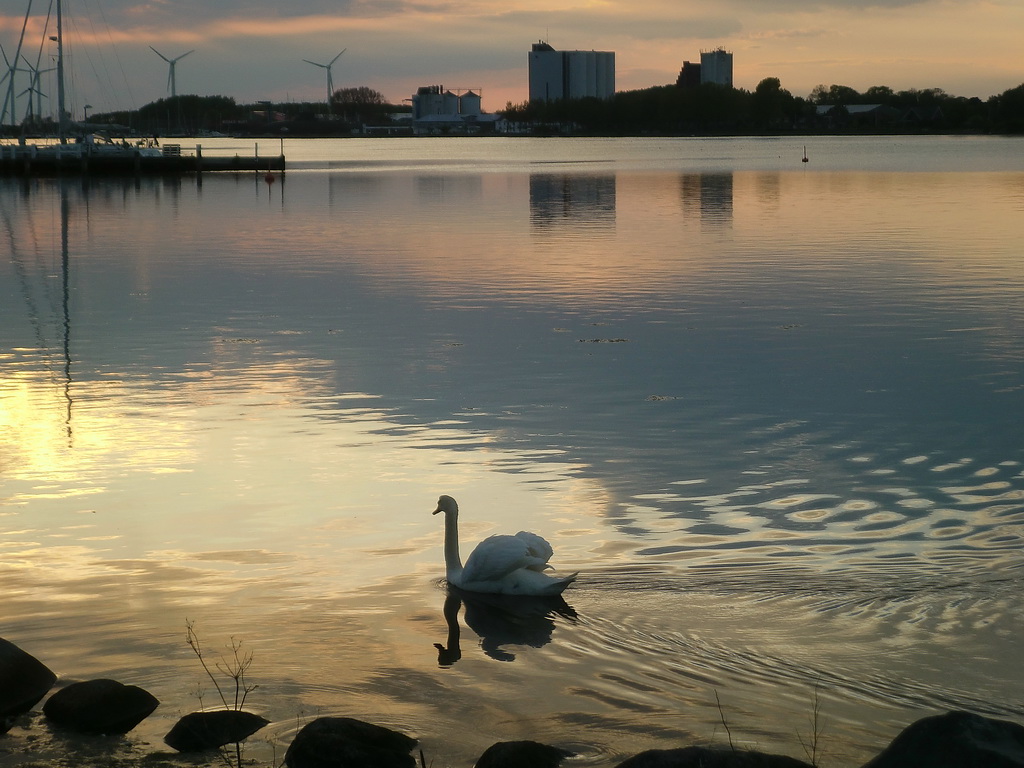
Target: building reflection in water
pixel 442 187
pixel 559 200
pixel 708 196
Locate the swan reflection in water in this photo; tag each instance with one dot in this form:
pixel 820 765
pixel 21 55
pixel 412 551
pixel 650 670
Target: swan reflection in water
pixel 500 620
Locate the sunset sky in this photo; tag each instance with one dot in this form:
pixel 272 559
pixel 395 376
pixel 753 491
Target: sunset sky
pixel 254 50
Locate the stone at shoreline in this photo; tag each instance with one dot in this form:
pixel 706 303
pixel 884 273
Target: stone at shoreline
pixel 704 757
pixel 199 731
pixel 343 742
pixel 521 754
pixel 955 740
pixel 100 707
pixel 24 680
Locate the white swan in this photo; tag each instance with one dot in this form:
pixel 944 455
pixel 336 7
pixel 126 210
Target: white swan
pixel 502 564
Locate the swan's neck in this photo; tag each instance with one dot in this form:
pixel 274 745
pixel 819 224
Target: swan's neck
pixel 452 561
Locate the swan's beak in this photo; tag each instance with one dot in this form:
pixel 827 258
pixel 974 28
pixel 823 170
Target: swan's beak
pixel 436 511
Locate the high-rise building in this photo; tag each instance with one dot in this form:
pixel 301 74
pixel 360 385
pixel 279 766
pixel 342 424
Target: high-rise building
pixel 689 75
pixel 716 67
pixel 570 74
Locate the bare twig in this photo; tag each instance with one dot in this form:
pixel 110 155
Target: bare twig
pixel 193 642
pixel 812 746
pixel 721 714
pixel 234 668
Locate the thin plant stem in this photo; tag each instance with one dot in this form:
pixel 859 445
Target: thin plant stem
pixel 193 641
pixel 721 714
pixel 812 746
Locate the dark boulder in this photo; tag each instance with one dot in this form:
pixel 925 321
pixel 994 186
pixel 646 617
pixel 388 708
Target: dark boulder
pixel 199 731
pixel 342 742
pixel 100 707
pixel 24 680
pixel 522 754
pixel 955 740
pixel 703 757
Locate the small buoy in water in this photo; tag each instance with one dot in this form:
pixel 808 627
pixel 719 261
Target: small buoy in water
pixel 805 159
pixel 269 178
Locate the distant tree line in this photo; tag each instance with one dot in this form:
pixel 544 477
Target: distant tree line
pixel 362 105
pixel 176 114
pixel 349 108
pixel 770 108
pixel 661 110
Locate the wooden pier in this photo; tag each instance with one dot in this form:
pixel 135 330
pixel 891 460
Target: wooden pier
pixel 120 160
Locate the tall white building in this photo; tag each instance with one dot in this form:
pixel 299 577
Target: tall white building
pixel 716 67
pixel 570 74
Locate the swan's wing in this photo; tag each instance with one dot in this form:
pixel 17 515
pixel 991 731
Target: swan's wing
pixel 538 549
pixel 496 557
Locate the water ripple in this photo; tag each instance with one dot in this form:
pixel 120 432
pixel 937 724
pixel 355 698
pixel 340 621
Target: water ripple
pixel 860 520
pixel 812 631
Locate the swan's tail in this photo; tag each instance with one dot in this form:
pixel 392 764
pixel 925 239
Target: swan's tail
pixel 558 585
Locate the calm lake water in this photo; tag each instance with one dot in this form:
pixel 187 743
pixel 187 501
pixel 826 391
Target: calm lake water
pixel 771 411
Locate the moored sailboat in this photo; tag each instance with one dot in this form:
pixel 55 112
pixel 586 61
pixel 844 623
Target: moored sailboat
pixel 99 153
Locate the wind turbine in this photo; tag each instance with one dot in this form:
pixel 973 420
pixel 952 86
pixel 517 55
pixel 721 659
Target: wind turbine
pixel 171 84
pixel 35 86
pixel 9 76
pixel 30 115
pixel 13 96
pixel 330 81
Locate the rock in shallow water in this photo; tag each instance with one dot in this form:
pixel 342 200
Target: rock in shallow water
pixel 343 742
pixel 199 731
pixel 703 757
pixel 100 707
pixel 955 740
pixel 521 754
pixel 24 680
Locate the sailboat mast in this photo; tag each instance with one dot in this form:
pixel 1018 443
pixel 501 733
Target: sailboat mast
pixel 60 76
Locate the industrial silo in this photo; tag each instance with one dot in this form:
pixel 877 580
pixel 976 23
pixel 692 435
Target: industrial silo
pixel 469 103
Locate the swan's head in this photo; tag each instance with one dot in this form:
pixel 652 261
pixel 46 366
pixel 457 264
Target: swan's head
pixel 447 505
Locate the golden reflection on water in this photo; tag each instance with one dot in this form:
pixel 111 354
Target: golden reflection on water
pixel 236 455
pixel 58 445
